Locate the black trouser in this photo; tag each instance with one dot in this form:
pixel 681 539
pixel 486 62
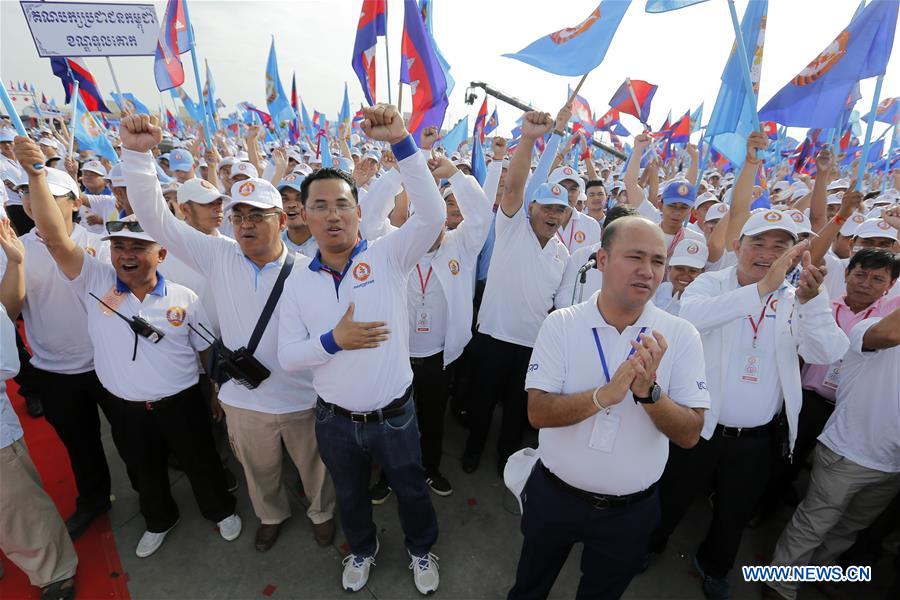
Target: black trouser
pixel 500 372
pixel 737 468
pixel 179 424
pixel 70 406
pixel 430 390
pixel 27 378
pixel 461 371
pixel 554 519
pixel 21 222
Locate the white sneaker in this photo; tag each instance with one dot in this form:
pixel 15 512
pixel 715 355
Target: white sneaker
pixel 150 542
pixel 356 570
pixel 425 572
pixel 230 527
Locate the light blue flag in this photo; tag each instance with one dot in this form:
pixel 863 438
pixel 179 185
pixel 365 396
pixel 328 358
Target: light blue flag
pixel 344 116
pixel 574 51
pixel 325 150
pixel 696 117
pixel 658 6
pixel 455 136
pixel 277 101
pixel 732 117
pixel 190 106
pixel 90 134
pixel 129 102
pixel 478 166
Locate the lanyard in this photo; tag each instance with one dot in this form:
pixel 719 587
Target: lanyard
pixel 675 239
pixel 758 325
pixel 837 312
pixel 424 282
pixel 603 357
pixel 571 233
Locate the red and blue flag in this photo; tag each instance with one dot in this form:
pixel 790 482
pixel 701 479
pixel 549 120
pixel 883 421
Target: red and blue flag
pixel 492 123
pixel 372 23
pixel 71 69
pixel 421 69
pixel 173 41
pixel 633 98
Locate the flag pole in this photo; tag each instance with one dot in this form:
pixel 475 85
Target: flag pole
pixel 14 116
pixel 864 158
pixel 578 89
pixel 745 66
pixel 192 44
pixel 116 83
pixel 400 98
pixel 73 121
pixel 387 58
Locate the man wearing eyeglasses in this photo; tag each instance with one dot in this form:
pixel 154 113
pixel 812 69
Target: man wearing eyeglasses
pixel 62 355
pixel 241 277
pixel 142 329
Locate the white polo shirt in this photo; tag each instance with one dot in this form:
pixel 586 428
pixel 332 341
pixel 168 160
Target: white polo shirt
pixel 239 287
pixel 581 231
pixel 571 290
pixel 55 320
pixel 622 452
pixel 307 248
pixel 10 169
pixel 156 370
pixel 376 280
pixel 865 425
pixel 522 280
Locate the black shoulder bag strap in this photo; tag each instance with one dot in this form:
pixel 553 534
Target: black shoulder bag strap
pixel 269 308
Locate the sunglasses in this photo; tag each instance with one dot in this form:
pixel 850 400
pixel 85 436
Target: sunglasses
pixel 117 226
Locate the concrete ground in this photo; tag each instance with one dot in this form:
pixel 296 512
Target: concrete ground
pixel 478 548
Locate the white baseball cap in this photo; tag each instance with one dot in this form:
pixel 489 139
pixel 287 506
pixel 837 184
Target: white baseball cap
pixel 115 176
pixel 562 173
pixel 689 253
pixel 769 220
pixel 7 134
pixel 198 190
pixel 876 228
pixel 244 168
pixel 780 186
pixel 849 228
pixel 254 192
pixel 804 225
pixel 838 184
pixel 834 198
pixel 303 169
pixel 226 162
pixel 61 183
pixel 716 211
pixel 703 199
pixel 94 166
pixel 120 229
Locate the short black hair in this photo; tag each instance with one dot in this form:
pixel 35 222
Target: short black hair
pixel 327 173
pixel 874 259
pixel 617 212
pixel 594 183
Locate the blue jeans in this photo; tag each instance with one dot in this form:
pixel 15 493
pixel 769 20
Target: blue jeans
pixel 348 449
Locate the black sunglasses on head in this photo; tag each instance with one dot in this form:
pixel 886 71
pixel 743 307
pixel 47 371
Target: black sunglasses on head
pixel 117 226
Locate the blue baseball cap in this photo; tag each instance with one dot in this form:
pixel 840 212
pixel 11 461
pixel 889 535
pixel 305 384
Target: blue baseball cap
pixel 180 160
pixel 551 193
pixel 679 191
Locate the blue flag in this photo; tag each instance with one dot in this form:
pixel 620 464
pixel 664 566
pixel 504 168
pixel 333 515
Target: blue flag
pixel 658 6
pixel 479 166
pixel 190 106
pixel 817 96
pixel 732 117
pixel 425 9
pixel 307 122
pixel 456 136
pixel 576 50
pixel 90 134
pixel 277 101
pixel 344 116
pixel 130 103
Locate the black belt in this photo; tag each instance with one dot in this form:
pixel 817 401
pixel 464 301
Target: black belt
pixel 162 402
pixel 737 432
pixel 393 409
pixel 599 501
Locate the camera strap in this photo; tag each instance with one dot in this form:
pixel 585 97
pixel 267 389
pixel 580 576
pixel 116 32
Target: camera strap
pixel 269 308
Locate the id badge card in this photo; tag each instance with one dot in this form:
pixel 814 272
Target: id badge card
pixel 423 320
pixel 833 375
pixel 750 371
pixel 606 428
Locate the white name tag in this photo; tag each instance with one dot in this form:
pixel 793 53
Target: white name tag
pixel 423 321
pixel 606 428
pixel 750 373
pixel 833 375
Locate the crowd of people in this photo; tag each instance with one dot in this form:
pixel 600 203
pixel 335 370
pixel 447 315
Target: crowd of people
pixel 668 332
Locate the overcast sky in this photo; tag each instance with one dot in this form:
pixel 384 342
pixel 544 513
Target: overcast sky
pixel 683 52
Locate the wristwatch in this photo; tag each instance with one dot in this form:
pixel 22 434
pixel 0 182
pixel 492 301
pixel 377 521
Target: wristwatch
pixel 653 398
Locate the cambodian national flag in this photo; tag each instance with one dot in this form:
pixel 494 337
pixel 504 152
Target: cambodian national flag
pixel 372 23
pixel 492 123
pixel 479 165
pixel 817 96
pixel 480 121
pixel 681 130
pixel 581 110
pixel 294 106
pixel 634 97
pixel 770 128
pixel 173 41
pixel 171 123
pixel 71 69
pixel 764 200
pixel 608 120
pixel 420 68
pixel 576 50
pixel 888 111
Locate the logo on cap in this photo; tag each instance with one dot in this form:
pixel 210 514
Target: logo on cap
pixel 682 189
pixel 722 208
pixel 772 216
pixel 175 315
pixel 579 236
pixel 362 271
pixel 247 189
pixel 89 250
pixel 567 170
pixel 242 167
pixel 453 265
pixel 797 216
pixel 555 190
pixel 858 218
pixel 883 225
pixel 693 249
pixel 206 184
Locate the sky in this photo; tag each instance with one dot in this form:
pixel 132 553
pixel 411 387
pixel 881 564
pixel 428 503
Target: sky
pixel 683 52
